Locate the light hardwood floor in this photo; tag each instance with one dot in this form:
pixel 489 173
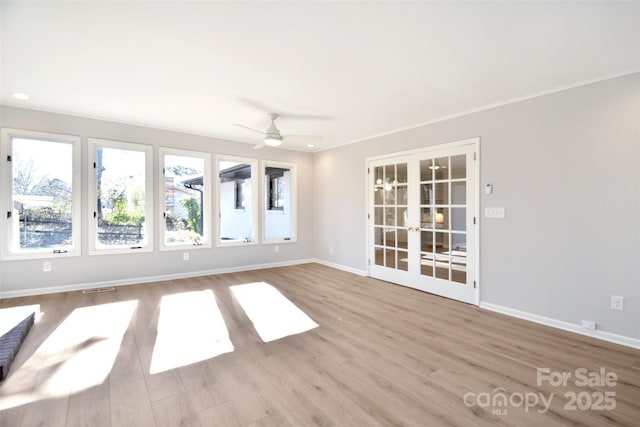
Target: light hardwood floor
pixel 381 355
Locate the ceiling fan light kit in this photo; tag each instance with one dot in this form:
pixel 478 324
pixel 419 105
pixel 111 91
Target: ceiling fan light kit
pixel 273 138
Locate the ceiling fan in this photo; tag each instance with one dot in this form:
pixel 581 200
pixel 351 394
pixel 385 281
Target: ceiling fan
pixel 272 136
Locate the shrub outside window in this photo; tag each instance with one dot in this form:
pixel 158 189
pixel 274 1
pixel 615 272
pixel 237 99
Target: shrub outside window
pixel 186 193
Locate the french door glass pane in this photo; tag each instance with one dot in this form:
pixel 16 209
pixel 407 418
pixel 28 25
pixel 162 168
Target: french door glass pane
pixel 390 238
pixel 442 218
pixel 390 258
pixel 378 239
pixel 401 170
pixel 442 193
pixel 403 260
pixel 402 238
pixel 459 166
pixel 426 170
pixel 379 256
pixel 441 168
pixel 378 216
pixel 426 194
pixel 426 218
pixel 389 216
pixel 459 193
pixel 402 195
pixel 459 257
pixel 459 219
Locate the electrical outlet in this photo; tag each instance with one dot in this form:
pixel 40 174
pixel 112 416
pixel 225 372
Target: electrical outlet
pixel 331 249
pixel 46 266
pixel 588 324
pixel 185 256
pixel 617 303
pixel 276 248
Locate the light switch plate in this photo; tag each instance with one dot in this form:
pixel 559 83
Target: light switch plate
pixel 494 212
pixel 617 303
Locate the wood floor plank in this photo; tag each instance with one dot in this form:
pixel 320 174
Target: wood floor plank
pixel 273 420
pixel 244 391
pixel 175 411
pixel 223 414
pixel 46 412
pixel 130 405
pixel 202 386
pixel 90 408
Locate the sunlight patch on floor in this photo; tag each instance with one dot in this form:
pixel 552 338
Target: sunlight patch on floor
pixel 190 329
pixel 272 314
pixel 78 355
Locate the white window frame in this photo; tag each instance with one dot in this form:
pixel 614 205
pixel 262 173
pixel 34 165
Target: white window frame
pixel 255 202
pixel 7 252
pixel 93 144
pixel 294 202
pixel 206 199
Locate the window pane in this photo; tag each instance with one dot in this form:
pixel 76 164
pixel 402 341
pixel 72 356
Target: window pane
pixel 279 202
pixel 42 195
pixel 184 190
pixel 236 221
pixel 120 189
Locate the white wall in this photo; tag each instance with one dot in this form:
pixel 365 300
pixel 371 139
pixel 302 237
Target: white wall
pixel 20 277
pixel 566 167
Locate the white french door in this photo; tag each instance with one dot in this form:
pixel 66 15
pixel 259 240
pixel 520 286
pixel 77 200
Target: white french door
pixel 422 210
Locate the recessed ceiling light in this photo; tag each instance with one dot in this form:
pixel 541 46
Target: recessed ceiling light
pixel 21 96
pixel 310 145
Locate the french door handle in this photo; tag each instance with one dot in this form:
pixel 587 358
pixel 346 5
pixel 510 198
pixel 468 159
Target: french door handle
pixel 413 228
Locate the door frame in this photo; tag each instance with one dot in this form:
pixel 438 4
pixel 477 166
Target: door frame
pixel 475 142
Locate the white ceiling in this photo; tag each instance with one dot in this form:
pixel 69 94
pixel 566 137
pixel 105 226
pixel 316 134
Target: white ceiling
pixel 366 68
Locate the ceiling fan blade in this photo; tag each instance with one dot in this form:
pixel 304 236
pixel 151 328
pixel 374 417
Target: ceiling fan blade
pixel 253 104
pixel 306 116
pixel 268 108
pixel 261 132
pixel 302 139
pixel 259 145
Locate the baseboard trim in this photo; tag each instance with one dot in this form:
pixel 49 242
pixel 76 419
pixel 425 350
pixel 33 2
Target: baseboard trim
pixel 146 279
pixel 566 326
pixel 340 267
